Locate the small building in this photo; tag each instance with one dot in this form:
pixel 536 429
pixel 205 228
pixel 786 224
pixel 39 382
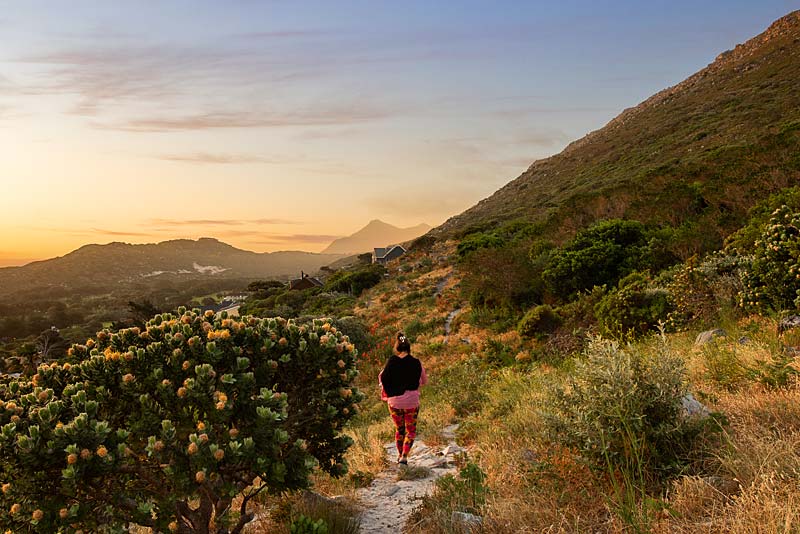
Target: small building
pixel 387 254
pixel 304 282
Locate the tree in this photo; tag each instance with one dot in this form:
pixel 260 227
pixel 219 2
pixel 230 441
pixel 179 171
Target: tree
pixel 50 345
pixel 141 311
pixel 164 426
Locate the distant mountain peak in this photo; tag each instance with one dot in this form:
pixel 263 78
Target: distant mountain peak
pixel 376 233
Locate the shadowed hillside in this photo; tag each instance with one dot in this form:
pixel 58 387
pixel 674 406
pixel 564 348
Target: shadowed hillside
pixel 119 263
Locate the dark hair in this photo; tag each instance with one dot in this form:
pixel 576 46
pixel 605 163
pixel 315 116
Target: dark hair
pixel 402 344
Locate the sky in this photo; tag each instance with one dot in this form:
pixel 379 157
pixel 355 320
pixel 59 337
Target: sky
pixel 281 125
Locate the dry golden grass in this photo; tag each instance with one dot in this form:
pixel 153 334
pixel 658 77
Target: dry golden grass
pixel 748 482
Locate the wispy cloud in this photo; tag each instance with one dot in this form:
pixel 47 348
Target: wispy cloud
pixel 206 157
pixel 280 239
pixel 216 222
pixel 287 34
pixel 121 233
pixel 241 119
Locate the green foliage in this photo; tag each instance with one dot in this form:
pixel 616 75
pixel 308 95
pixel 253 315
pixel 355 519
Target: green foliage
pixel 743 240
pixel 633 308
pixel 466 492
pixel 773 280
pixel 463 386
pixel 474 242
pixel 305 525
pixel 164 426
pixel 497 353
pixel 355 282
pixel 499 278
pixel 777 372
pixel 265 285
pixel 539 320
pixel 423 243
pixel 621 409
pixel 599 255
pixel 723 365
pixel 699 290
pixel 357 331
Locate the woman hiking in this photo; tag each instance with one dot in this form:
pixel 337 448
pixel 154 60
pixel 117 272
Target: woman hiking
pixel 400 381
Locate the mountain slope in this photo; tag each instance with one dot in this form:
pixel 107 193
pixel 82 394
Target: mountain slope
pixel 698 154
pixel 375 234
pixel 119 263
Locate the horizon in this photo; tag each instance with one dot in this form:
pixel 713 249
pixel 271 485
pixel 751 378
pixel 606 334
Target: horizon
pixel 116 242
pixel 213 122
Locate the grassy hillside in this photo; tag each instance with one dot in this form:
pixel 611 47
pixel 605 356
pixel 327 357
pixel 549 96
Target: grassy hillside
pixel 698 154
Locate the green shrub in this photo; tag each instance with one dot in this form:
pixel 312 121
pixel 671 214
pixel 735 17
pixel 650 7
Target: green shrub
pixel 497 353
pixel 778 371
pixel 466 492
pixel 500 278
pixel 633 308
pixel 773 280
pixel 474 242
pixel 355 282
pixel 723 365
pixel 540 320
pixel 164 426
pixel 599 255
pixel 305 525
pixel 700 290
pixel 743 241
pixel 621 409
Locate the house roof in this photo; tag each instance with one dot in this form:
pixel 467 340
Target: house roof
pixel 309 279
pixel 383 252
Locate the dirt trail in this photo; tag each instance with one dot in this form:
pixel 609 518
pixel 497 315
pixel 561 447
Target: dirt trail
pixel 388 502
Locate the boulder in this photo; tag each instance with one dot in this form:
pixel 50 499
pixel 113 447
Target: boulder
pixel 709 335
pixel 692 407
pixel 787 323
pixel 464 522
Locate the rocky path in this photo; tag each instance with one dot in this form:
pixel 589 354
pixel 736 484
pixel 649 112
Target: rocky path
pixel 388 502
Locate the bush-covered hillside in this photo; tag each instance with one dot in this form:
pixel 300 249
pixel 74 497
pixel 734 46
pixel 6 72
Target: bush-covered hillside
pixel 694 157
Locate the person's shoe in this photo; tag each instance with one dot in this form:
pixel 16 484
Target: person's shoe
pixel 403 461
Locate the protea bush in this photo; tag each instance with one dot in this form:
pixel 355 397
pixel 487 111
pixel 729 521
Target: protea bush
pixel 773 280
pixel 165 426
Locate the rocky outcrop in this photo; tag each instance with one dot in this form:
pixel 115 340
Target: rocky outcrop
pixel 708 336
